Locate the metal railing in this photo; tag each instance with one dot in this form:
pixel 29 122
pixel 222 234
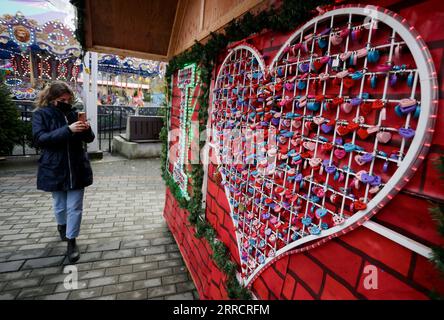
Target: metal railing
pixel 25 108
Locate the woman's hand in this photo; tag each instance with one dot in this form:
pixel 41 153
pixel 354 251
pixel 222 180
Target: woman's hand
pixel 78 126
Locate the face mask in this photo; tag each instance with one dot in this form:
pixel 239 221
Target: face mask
pixel 65 107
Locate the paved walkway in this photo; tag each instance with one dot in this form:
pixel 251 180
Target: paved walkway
pixel 127 249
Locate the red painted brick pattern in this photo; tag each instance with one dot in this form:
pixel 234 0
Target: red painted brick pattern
pixel 389 287
pixel 196 252
pixel 288 289
pixel 277 284
pixel 345 263
pixel 334 290
pixel 379 248
pixel 301 293
pixel 307 271
pixel 414 221
pixel 260 289
pixel 428 276
pixel 335 270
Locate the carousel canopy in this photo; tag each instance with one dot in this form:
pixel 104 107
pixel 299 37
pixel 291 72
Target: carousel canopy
pixel 126 65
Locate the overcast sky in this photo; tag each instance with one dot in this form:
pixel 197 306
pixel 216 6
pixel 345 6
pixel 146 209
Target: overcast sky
pixel 41 10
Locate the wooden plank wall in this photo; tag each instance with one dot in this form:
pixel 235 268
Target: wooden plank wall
pixel 195 19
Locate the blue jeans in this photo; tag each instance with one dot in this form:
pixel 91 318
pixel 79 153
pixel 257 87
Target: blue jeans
pixel 68 208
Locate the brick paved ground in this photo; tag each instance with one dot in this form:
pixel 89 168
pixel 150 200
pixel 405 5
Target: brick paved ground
pixel 127 249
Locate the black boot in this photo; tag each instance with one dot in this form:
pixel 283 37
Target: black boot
pixel 62 230
pixel 73 251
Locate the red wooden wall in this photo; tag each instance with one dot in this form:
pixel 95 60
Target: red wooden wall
pixel 336 270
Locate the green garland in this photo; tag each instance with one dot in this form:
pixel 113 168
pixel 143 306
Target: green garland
pixel 287 17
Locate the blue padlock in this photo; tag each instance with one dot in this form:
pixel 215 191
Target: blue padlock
pixel 313 106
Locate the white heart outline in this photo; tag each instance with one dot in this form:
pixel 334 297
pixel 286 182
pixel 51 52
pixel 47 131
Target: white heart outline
pixel 419 145
pixel 262 65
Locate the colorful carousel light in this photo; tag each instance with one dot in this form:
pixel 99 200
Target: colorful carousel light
pixel 22 34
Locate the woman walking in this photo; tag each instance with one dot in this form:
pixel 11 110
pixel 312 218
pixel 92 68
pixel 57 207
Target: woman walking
pixel 64 167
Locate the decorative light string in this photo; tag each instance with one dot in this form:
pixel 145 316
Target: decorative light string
pixel 62 70
pixel 25 66
pixel 186 82
pixel 75 70
pixel 44 67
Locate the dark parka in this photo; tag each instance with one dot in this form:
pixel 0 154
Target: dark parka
pixel 64 163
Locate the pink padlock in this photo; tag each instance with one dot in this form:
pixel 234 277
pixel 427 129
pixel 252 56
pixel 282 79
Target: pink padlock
pixel 272 238
pixel 359 174
pixel 320 192
pixel 273 220
pixel 354 183
pixel 372 129
pixel 296 123
pixel 345 55
pixel 374 189
pixel 333 198
pixel 324 76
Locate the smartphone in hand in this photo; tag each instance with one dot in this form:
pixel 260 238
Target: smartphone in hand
pixel 82 116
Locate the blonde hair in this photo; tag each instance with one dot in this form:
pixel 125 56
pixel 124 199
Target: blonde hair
pixel 52 92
